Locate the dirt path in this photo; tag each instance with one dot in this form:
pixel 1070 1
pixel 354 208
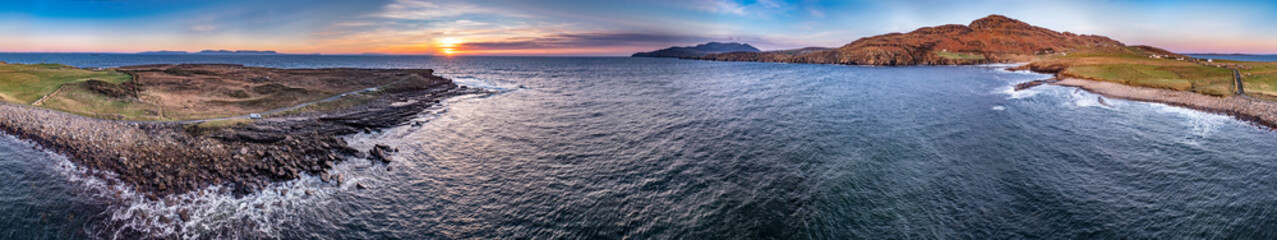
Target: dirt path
pixel 45 97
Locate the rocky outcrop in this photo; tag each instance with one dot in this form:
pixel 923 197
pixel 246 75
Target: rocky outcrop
pixel 992 39
pixel 698 50
pixel 160 158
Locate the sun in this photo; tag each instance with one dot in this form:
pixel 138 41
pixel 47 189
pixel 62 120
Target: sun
pixel 449 42
pixel 448 45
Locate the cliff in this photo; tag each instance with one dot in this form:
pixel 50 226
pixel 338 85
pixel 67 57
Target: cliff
pixel 991 39
pixel 698 50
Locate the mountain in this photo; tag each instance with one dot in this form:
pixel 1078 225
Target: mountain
pixel 164 52
pixel 992 39
pixel 698 50
pixel 210 52
pixel 236 52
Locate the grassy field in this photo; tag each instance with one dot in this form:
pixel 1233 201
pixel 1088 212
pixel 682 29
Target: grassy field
pixel 349 101
pixel 1134 67
pixel 965 56
pixel 26 83
pixel 1260 80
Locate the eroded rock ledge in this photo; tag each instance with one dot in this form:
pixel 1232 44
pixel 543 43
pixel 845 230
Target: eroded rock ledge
pixel 161 158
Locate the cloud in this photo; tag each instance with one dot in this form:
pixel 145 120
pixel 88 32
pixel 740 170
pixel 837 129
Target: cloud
pixel 204 28
pixel 757 8
pixel 816 13
pixel 721 6
pixel 584 40
pixel 432 10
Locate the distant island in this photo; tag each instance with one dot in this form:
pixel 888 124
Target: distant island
pixel 698 50
pixel 211 52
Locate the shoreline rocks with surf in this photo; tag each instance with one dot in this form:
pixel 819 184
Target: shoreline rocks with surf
pixel 1258 112
pixel 163 158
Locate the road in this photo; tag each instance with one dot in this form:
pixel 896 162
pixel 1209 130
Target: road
pixel 1237 77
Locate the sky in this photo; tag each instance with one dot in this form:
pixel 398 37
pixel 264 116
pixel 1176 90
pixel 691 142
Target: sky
pixel 593 27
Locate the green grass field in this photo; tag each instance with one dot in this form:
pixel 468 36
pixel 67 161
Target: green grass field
pixel 26 83
pixel 966 56
pixel 75 99
pixel 1134 67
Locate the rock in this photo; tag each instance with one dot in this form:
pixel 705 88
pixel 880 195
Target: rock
pixel 185 215
pixel 309 192
pixel 159 159
pixel 379 153
pixel 360 186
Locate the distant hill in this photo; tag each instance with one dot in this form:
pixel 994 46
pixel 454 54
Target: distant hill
pixel 165 52
pixel 236 52
pixel 698 50
pixel 991 39
pixel 211 52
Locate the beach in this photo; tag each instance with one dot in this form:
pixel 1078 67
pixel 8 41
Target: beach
pixel 1258 112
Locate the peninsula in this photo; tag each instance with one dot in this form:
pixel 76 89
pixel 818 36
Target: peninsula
pixel 1096 63
pixel 698 50
pixel 166 129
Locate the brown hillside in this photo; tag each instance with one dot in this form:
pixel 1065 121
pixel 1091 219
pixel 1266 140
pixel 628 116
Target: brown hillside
pixel 991 39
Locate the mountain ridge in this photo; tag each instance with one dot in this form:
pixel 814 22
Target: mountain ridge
pixel 698 50
pixel 992 39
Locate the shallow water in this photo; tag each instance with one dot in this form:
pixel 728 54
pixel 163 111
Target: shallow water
pixel 664 148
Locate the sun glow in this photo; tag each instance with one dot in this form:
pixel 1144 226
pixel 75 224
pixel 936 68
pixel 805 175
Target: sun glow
pixel 448 45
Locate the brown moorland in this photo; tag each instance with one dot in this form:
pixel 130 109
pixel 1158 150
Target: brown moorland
pixel 993 39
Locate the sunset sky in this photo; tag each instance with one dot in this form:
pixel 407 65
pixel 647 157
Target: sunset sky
pixel 592 27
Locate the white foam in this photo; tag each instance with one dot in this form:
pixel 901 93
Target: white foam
pixel 1200 124
pixel 1011 93
pixel 999 108
pixel 484 83
pixel 213 211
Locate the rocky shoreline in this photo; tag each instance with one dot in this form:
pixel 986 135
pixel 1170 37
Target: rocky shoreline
pixel 159 158
pixel 1258 112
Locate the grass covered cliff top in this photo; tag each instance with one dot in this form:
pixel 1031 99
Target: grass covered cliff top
pixel 26 83
pixel 187 91
pixel 1150 67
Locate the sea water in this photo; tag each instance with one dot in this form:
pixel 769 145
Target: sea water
pixel 591 148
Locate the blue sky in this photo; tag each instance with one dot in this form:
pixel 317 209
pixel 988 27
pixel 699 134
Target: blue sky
pixel 578 27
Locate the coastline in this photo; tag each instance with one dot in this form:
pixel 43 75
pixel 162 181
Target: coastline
pixel 1258 112
pixel 164 158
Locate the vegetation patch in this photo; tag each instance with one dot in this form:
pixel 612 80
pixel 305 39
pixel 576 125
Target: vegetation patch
pixel 342 103
pixel 958 55
pixel 187 73
pixel 26 83
pixel 122 90
pixel 79 99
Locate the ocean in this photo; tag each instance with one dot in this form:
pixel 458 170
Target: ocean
pixel 644 148
pixel 1238 57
